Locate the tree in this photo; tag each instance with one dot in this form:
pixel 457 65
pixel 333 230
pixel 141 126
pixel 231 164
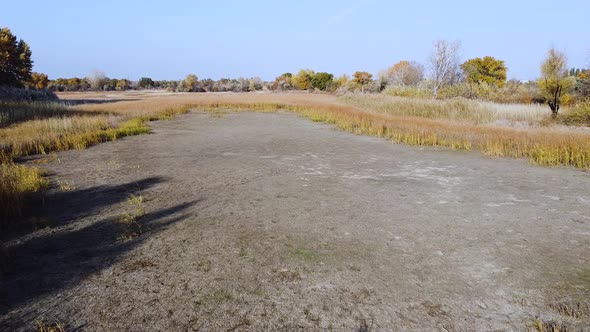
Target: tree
pixel 122 85
pixel 190 83
pixel 145 83
pixel 583 84
pixel 362 79
pixel 444 64
pixel 283 82
pixel 302 80
pixel 97 80
pixel 485 70
pixel 555 81
pixel 403 73
pixel 321 81
pixel 39 81
pixel 15 60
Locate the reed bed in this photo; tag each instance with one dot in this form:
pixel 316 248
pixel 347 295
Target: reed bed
pixel 459 109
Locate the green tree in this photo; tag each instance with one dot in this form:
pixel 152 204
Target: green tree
pixel 362 79
pixel 15 60
pixel 321 81
pixel 485 70
pixel 145 83
pixel 39 81
pixel 555 80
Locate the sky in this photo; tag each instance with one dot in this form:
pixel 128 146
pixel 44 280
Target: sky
pixel 233 38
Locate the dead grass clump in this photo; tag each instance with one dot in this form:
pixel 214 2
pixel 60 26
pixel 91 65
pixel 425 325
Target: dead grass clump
pixel 286 275
pixel 51 327
pixel 539 325
pixel 571 309
pixel 137 265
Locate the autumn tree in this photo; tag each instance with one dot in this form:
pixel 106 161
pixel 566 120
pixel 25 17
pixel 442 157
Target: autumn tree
pixel 485 70
pixel 555 80
pixel 403 73
pixel 302 80
pixel 362 79
pixel 189 84
pixel 15 60
pixel 39 81
pixel 283 82
pixel 583 84
pixel 122 85
pixel 444 64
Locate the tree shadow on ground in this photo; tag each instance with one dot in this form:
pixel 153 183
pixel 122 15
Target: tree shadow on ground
pixel 57 207
pixel 52 261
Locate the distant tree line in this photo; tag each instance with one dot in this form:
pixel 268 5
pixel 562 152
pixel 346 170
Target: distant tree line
pixel 442 76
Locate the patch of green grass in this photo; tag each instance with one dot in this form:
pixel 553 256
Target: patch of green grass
pixel 301 254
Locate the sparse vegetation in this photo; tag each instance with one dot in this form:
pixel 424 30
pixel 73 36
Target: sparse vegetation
pixel 52 327
pixel 130 221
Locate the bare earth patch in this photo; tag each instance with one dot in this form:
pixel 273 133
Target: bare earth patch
pixel 263 221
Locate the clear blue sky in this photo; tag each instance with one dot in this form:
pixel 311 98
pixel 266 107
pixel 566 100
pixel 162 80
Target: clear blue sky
pixel 232 38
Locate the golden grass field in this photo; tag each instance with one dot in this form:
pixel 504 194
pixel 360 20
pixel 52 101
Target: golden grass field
pixel 517 131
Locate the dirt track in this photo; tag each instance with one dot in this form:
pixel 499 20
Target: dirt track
pixel 260 221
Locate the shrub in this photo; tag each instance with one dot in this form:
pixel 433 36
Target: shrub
pixel 578 115
pixel 17 94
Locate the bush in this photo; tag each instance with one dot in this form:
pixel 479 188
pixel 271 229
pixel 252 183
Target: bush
pixel 578 115
pixel 17 94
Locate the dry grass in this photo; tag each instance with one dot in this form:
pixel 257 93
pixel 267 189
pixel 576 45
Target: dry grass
pixel 456 124
pixel 55 327
pixel 130 221
pixel 17 183
pixel 12 112
pixel 543 145
pixel 459 109
pixel 38 129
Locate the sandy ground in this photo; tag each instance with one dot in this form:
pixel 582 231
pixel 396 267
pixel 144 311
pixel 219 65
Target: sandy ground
pixel 267 221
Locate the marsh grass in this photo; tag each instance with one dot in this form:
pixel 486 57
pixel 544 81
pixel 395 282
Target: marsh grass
pixel 17 183
pixel 12 112
pixel 459 109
